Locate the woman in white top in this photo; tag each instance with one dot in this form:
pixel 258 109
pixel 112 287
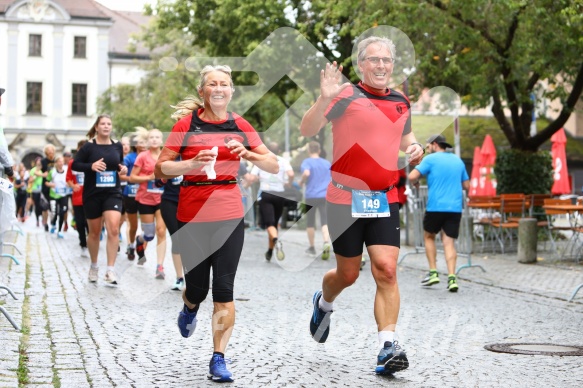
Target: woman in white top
pixel 271 199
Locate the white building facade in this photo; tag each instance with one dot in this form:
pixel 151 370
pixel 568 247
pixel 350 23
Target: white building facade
pixel 56 58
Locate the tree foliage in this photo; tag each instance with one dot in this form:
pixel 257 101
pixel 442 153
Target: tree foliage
pixel 498 54
pixel 494 53
pixel 147 104
pixel 512 177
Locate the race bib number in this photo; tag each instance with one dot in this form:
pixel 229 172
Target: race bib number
pixel 80 178
pixel 105 179
pixel 153 189
pixel 370 204
pixel 61 190
pixel 133 189
pixel 178 180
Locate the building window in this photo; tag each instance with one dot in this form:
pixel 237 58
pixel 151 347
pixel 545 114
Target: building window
pixel 80 99
pixel 34 97
pixel 35 45
pixel 80 47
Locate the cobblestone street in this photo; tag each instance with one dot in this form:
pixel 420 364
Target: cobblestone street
pixel 80 334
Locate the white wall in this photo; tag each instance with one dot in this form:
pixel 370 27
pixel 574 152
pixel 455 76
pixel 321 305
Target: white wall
pixel 126 73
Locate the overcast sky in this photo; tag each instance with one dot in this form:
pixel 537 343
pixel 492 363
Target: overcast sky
pixel 126 5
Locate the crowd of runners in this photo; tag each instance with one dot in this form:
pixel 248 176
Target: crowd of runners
pixel 187 186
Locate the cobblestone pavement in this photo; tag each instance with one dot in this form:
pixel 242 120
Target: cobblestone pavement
pixel 81 334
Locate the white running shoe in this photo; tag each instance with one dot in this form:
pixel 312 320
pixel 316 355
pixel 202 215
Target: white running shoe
pixel 93 274
pixel 110 277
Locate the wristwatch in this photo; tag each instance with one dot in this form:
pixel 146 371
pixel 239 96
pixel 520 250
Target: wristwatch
pixel 420 145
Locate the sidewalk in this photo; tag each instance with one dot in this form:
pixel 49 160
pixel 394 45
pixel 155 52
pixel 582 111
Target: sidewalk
pixel 547 278
pixel 91 335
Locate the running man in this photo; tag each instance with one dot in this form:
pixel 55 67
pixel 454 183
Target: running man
pixel 370 124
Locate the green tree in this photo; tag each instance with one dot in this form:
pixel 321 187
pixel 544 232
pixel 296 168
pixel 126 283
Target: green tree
pixel 493 53
pixel 147 104
pixel 498 53
pixel 234 28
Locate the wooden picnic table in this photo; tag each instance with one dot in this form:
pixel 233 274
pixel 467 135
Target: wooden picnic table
pixel 566 208
pixel 484 205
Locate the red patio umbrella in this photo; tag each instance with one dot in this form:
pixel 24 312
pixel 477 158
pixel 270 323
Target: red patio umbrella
pixel 475 178
pixel 487 180
pixel 561 176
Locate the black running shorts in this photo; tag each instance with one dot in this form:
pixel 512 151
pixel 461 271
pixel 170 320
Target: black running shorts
pixel 348 234
pixel 95 205
pixel 148 209
pixel 130 205
pixel 449 222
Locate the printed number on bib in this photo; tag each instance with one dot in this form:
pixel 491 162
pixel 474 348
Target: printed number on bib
pixel 369 204
pixel 133 189
pixel 80 178
pixel 153 189
pixel 61 190
pixel 106 179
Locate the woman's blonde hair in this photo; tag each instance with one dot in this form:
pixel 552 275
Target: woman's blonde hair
pixel 141 134
pixel 192 103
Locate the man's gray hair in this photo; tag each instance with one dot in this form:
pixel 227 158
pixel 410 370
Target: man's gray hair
pixel 383 41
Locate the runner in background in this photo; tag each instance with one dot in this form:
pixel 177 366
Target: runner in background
pixel 21 178
pixel 125 143
pixel 100 159
pixel 149 197
pixel 35 186
pixel 446 179
pixel 57 182
pixel 271 199
pixel 130 205
pixel 47 163
pixel 75 180
pixel 169 208
pixel 66 159
pixel 316 177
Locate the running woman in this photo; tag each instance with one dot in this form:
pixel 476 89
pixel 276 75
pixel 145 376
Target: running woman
pixel 211 141
pixel 169 208
pixel 149 197
pixel 35 184
pixel 75 180
pixel 47 163
pixel 123 182
pixel 100 159
pixel 271 199
pixel 131 189
pixel 58 192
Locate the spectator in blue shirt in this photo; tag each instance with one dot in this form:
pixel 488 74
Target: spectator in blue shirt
pixel 446 177
pixel 316 177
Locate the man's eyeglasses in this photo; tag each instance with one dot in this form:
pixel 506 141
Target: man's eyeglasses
pixel 377 60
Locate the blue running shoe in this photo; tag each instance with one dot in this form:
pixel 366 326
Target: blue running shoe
pixel 391 359
pixel 60 235
pixel 320 322
pixel 186 322
pixel 53 229
pixel 218 370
